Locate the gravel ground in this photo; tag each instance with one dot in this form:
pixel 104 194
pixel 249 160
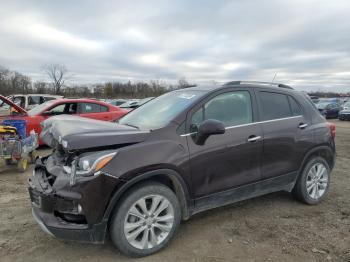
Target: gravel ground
pixel 270 228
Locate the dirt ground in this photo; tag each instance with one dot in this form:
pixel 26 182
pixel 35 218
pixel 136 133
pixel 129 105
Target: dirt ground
pixel 270 228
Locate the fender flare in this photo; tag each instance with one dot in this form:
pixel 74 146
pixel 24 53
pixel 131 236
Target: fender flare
pixel 314 150
pixel 181 191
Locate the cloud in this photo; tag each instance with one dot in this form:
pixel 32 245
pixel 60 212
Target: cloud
pixel 304 42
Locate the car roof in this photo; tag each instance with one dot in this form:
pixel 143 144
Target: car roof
pixel 81 100
pixel 37 95
pixel 238 84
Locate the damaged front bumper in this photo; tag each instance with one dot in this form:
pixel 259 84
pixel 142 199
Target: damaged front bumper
pixel 68 212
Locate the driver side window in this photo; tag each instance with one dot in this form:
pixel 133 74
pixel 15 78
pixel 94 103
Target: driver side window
pixel 70 109
pixel 231 108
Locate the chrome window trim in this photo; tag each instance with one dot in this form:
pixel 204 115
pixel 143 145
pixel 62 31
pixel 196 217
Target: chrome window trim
pixel 249 124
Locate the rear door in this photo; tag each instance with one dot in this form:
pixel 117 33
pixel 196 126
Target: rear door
pixel 285 130
pixel 94 111
pixel 231 159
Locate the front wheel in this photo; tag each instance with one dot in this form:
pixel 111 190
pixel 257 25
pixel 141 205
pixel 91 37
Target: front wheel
pixel 145 220
pixel 313 183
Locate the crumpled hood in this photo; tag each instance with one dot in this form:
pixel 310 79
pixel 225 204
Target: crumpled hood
pixel 75 133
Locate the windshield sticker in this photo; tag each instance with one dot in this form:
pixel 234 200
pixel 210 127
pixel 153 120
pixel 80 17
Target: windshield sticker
pixel 186 96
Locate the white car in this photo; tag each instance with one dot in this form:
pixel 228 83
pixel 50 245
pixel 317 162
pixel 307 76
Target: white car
pixel 29 101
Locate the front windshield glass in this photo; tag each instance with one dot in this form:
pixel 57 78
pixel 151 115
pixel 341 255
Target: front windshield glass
pixel 322 105
pixel 6 109
pixel 347 104
pixel 37 109
pixel 160 111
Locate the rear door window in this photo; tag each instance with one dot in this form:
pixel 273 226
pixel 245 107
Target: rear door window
pixel 295 107
pixel 88 108
pixel 274 106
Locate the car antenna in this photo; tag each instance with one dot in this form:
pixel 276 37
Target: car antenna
pixel 273 79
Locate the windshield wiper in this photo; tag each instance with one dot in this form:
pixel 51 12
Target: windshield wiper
pixel 131 126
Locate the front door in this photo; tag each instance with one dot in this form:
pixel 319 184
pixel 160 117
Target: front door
pixel 231 159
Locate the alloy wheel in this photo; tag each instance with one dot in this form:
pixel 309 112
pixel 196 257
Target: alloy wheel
pixel 149 222
pixel 317 181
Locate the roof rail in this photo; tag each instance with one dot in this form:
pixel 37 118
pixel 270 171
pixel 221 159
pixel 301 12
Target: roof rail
pixel 258 83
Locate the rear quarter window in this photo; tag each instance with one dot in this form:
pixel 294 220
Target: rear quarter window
pixel 104 108
pixel 295 107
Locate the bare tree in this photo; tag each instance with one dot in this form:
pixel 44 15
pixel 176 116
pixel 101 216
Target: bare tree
pixel 183 83
pixel 57 74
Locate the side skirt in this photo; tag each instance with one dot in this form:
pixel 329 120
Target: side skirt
pixel 280 183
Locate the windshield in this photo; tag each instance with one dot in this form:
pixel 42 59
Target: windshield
pixel 37 109
pixel 160 111
pixel 347 104
pixel 322 105
pixel 6 109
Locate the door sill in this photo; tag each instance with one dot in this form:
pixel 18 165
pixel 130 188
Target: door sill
pixel 280 183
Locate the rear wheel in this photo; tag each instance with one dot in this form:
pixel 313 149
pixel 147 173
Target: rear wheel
pixel 146 220
pixel 313 183
pixel 8 161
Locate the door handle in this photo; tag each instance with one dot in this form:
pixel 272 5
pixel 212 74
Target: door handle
pixel 302 125
pixel 253 138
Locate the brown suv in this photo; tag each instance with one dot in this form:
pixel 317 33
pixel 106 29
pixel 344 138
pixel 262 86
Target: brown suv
pixel 184 152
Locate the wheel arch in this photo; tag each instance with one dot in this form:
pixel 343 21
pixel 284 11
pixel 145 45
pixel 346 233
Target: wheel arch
pixel 323 151
pixel 168 177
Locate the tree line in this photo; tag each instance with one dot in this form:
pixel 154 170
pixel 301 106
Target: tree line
pixel 13 82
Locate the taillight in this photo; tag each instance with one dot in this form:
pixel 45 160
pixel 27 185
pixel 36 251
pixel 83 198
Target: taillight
pixel 332 128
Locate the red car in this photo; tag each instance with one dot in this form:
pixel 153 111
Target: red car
pixel 81 107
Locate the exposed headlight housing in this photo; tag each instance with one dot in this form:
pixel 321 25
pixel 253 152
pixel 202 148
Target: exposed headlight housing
pixel 64 143
pixel 89 165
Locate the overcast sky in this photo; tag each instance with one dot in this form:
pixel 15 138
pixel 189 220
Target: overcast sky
pixel 306 42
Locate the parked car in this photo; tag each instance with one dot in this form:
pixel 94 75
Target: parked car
pixel 343 100
pixel 116 102
pixel 130 103
pixel 182 153
pixel 330 100
pixel 314 99
pixel 136 103
pixel 31 100
pixel 82 107
pixel 329 109
pixel 344 114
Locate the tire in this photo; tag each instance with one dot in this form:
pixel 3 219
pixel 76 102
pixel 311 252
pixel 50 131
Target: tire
pixel 22 164
pixel 32 156
pixel 313 183
pixel 142 226
pixel 8 162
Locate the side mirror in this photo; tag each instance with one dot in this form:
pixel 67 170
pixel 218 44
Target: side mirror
pixel 207 128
